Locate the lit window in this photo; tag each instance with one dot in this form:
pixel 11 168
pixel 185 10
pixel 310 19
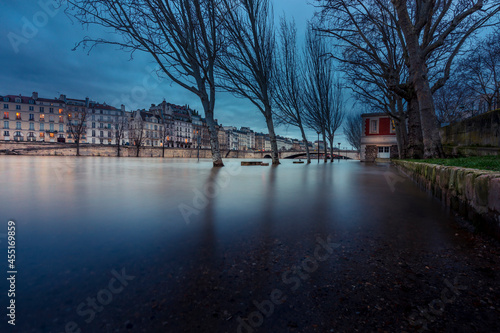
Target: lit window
pixel 60 110
pixel 51 135
pixel 42 117
pixel 5 115
pixel 42 135
pixel 18 116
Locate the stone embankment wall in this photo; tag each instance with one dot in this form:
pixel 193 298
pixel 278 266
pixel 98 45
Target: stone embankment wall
pixel 476 136
pixel 475 194
pixel 69 149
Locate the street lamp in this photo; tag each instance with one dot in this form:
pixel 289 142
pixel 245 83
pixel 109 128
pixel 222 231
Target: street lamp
pixel 339 152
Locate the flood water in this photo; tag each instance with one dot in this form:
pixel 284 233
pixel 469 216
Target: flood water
pixel 199 247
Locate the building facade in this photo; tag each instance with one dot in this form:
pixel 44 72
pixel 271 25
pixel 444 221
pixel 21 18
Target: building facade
pixel 378 137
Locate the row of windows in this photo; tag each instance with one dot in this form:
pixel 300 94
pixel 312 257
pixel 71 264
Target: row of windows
pixel 32 108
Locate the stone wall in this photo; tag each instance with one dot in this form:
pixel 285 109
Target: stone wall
pixel 371 153
pixel 475 194
pixel 478 135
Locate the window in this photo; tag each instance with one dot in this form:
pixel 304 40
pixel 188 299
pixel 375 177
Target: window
pixel 18 125
pixel 109 134
pixel 5 115
pixel 32 126
pixel 51 118
pixel 51 110
pixel 18 107
pixel 6 133
pixel 61 119
pixel 93 117
pixel 373 126
pixel 101 134
pixel 31 108
pixel 93 132
pixel 6 106
pixel 42 109
pixel 18 116
pixel 17 133
pixel 42 127
pixel 51 135
pixel 51 127
pixel 93 125
pixel 61 128
pixel 42 117
pixel 42 135
pixel 383 149
pixel 18 100
pixel 32 116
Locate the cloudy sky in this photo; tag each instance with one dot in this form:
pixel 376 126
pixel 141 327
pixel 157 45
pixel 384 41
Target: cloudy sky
pixel 37 55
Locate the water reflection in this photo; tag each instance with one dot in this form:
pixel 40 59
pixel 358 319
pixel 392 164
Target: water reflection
pixel 80 218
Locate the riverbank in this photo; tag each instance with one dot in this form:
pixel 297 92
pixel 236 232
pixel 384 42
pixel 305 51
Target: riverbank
pixel 474 194
pixel 86 149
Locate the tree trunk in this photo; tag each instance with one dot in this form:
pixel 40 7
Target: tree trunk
pixel 118 148
pixel 331 147
pixel 419 76
pixel 305 142
pixel 325 148
pixel 77 147
pixel 137 151
pixel 214 140
pixel 428 120
pixel 415 140
pixel 163 149
pixel 272 136
pixel 401 131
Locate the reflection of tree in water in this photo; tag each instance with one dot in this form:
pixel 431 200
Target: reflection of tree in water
pixel 199 296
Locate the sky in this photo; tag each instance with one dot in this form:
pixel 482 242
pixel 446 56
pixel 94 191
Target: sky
pixel 37 55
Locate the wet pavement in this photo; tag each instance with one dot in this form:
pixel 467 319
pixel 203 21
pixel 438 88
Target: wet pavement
pixel 152 245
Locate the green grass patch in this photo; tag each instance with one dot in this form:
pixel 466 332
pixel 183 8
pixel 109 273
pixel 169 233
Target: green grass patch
pixel 491 163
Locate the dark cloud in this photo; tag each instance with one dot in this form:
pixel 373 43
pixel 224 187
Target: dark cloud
pixel 41 59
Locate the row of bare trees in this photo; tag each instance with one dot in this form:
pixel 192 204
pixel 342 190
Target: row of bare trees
pixel 397 54
pixel 307 93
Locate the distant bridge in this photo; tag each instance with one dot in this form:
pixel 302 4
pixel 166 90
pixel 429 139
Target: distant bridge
pixel 342 154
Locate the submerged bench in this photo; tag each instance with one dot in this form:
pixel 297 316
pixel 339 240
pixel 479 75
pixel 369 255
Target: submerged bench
pixel 243 163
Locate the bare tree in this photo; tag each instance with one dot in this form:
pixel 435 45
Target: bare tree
pixel 480 72
pixel 247 64
pixel 288 82
pixel 352 128
pixel 437 27
pixel 77 124
pixel 319 83
pixel 182 36
pixel 334 112
pixel 136 131
pixel 121 128
pixel 372 56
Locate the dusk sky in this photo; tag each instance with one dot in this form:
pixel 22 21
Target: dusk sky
pixel 42 60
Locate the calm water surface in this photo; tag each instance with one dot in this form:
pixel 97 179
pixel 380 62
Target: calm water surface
pixel 201 244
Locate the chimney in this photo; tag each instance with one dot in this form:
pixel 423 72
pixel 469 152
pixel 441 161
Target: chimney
pixel 123 108
pixel 86 101
pixel 62 97
pixel 34 95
